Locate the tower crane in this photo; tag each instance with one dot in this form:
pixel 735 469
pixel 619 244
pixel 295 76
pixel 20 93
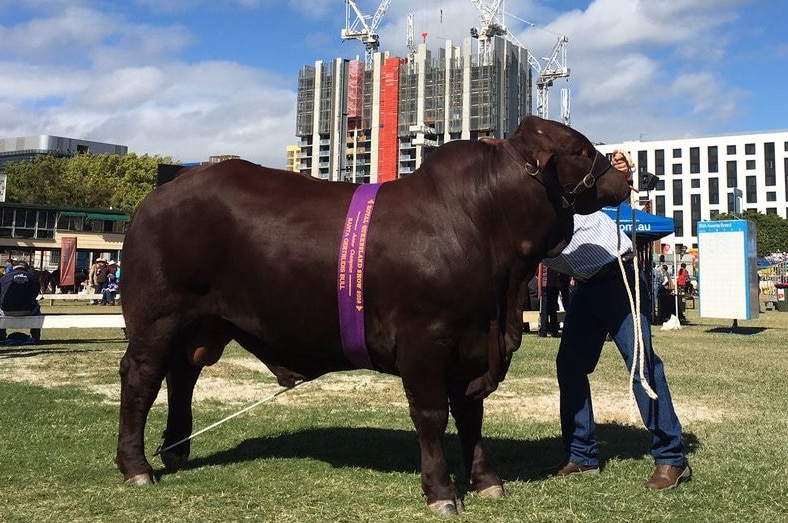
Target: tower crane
pixel 490 16
pixel 364 28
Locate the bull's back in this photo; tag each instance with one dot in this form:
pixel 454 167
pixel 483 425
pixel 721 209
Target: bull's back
pixel 233 239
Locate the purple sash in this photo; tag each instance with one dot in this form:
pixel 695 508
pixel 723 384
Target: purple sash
pixel 350 274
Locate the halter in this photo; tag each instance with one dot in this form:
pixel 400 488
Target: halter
pixel 599 166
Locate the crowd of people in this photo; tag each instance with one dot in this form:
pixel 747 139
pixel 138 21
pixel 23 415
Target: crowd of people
pixel 104 279
pixel 20 290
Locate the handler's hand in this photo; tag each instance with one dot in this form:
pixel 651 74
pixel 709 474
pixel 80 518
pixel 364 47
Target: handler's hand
pixel 621 161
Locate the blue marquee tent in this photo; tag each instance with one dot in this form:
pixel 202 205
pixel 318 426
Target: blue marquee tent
pixel 648 227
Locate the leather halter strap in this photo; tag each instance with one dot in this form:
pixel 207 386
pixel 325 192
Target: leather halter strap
pixel 599 166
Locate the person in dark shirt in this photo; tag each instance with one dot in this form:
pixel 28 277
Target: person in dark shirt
pixel 18 292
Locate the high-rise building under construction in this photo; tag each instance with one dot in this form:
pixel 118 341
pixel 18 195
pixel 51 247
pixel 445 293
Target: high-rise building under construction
pixel 377 122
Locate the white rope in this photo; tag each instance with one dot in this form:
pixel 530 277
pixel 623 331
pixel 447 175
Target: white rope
pixel 228 418
pixel 639 350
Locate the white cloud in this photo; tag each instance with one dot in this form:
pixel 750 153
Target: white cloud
pixel 650 68
pixel 129 88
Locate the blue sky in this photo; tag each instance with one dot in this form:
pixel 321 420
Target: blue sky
pixel 191 78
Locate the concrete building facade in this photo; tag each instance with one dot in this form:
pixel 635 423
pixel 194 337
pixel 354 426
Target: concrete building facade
pixel 378 123
pixel 702 177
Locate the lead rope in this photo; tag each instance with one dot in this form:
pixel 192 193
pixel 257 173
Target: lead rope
pixel 639 351
pixel 228 418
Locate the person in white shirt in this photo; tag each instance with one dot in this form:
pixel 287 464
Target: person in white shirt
pixel 601 306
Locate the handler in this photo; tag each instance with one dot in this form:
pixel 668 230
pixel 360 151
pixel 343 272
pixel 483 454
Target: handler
pixel 600 305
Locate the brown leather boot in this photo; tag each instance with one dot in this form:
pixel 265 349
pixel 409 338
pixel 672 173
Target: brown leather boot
pixel 668 476
pixel 570 468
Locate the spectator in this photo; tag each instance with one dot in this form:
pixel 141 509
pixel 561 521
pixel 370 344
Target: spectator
pixel 19 291
pixel 109 292
pixel 548 304
pixel 98 276
pixel 666 282
pixel 682 279
pixel 567 285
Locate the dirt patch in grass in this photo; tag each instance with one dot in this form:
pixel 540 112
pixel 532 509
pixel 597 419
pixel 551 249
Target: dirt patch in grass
pixel 242 381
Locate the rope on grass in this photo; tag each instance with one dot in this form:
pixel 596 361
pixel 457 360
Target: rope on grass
pixel 228 418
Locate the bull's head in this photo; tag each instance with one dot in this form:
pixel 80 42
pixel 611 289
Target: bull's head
pixel 575 174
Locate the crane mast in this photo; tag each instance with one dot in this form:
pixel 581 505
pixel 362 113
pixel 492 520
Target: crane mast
pixel 364 28
pixel 491 18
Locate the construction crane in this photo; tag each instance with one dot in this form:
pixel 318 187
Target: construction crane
pixel 490 27
pixel 491 17
pixel 364 28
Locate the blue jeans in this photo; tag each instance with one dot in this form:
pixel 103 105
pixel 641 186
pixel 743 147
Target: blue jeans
pixel 601 306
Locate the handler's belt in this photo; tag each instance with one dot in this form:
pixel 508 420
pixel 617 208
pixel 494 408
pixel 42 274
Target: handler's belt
pixel 611 269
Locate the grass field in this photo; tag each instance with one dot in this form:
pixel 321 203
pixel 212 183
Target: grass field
pixel 342 448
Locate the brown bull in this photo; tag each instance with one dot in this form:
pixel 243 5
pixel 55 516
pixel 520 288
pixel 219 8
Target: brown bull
pixel 447 251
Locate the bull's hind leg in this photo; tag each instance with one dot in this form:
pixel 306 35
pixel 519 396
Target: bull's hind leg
pixel 181 380
pixel 203 346
pixel 142 370
pixel 468 414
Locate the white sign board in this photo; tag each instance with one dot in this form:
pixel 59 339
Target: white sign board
pixel 727 270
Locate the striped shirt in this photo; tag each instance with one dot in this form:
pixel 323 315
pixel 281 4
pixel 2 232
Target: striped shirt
pixel 596 241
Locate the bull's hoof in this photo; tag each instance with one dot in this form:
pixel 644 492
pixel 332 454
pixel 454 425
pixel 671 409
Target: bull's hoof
pixel 446 507
pixel 139 479
pixel 173 461
pixel 493 492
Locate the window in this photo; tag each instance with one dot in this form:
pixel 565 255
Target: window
pixel 694 213
pixel 752 189
pixel 714 191
pixel 676 153
pixel 678 193
pixel 771 210
pixel 713 213
pixel 694 160
pixel 659 162
pixel 769 164
pixel 678 219
pixel 661 185
pixel 642 161
pixel 659 205
pixel 749 148
pixel 695 183
pixel 731 171
pixel 713 160
pixel 750 165
pixel 771 196
pixel 676 168
pixel 731 149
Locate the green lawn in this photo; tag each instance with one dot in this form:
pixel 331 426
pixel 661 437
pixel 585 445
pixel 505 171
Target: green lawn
pixel 342 448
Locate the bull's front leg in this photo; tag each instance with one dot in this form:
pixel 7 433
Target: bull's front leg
pixel 429 410
pixel 468 415
pixel 141 379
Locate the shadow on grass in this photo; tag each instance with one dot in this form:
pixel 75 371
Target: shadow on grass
pixel 389 450
pixel 50 347
pixel 743 331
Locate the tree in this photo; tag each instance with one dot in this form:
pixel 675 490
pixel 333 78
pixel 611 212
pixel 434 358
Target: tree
pixel 771 230
pixel 84 180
